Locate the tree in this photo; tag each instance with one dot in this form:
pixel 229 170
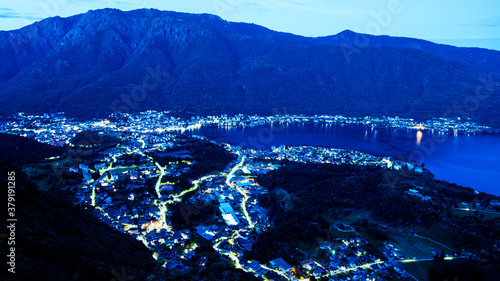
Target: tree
pixel 438 258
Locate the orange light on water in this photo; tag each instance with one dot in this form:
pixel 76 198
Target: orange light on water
pixel 419 137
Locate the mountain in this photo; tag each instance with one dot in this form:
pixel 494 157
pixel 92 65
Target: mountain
pixel 107 60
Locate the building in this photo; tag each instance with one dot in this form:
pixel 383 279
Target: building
pixel 228 214
pixel 100 166
pixel 281 265
pixel 205 232
pixel 254 266
pixel 87 176
pixel 436 252
pixel 84 167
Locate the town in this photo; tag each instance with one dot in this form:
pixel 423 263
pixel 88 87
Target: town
pixel 57 129
pixel 132 194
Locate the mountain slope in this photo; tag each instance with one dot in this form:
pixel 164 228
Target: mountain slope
pixel 14 148
pixel 107 60
pixel 56 239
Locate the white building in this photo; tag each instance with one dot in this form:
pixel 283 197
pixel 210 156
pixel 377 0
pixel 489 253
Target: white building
pixel 228 214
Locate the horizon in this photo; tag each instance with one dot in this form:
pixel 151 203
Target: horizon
pixel 464 26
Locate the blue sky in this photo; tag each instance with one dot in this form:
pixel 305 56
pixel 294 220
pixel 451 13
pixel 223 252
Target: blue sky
pixel 455 22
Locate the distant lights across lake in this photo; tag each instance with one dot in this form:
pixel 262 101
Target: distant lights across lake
pixel 472 161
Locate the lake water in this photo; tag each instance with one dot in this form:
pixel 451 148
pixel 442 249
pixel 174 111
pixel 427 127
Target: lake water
pixel 472 161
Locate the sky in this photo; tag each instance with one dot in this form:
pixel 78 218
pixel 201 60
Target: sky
pixel 463 23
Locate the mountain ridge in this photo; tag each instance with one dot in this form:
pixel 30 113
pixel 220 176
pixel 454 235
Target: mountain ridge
pixel 109 61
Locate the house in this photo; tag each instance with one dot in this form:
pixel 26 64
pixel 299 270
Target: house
pixel 107 200
pixel 280 264
pixel 87 176
pixel 84 167
pixel 361 274
pixel 100 166
pixel 205 232
pixel 244 184
pixel 262 271
pixel 333 267
pixel 398 255
pixel 317 273
pixel 436 252
pixel 135 175
pixel 114 176
pixel 326 246
pixel 388 254
pixel 254 266
pixel 103 178
pixel 360 252
pixel 308 265
pixel 202 261
pixel 399 269
pixel 413 192
pixel 167 187
pixel 352 261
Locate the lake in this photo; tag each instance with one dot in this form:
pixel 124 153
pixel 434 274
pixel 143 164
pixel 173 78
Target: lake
pixel 472 161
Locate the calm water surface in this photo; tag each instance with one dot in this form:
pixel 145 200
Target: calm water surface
pixel 472 161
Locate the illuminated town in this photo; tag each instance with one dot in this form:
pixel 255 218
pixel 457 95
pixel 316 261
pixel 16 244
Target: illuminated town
pixel 131 195
pixel 56 129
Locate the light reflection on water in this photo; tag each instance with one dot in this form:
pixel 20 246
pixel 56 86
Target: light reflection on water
pixel 472 161
pixel 419 137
